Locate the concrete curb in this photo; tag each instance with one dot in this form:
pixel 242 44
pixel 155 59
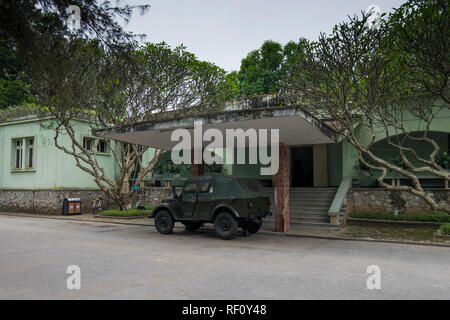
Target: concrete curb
pixel 121 217
pixel 443 236
pixel 354 239
pixel 396 223
pixel 95 220
pixel 271 233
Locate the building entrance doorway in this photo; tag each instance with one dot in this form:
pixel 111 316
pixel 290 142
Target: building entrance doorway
pixel 302 170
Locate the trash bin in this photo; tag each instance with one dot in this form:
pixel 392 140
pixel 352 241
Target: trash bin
pixel 71 206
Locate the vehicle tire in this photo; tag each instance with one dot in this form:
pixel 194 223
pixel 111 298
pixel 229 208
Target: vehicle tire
pixel 164 222
pixel 253 227
pixel 192 226
pixel 225 225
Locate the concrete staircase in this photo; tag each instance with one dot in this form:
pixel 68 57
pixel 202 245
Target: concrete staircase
pixel 308 206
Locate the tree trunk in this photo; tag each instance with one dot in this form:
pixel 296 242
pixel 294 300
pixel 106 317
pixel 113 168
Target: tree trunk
pixel 125 202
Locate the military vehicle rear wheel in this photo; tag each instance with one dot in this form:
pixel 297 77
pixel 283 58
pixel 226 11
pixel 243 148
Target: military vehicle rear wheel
pixel 225 225
pixel 253 227
pixel 164 222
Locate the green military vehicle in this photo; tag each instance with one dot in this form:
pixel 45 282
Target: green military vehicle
pixel 228 202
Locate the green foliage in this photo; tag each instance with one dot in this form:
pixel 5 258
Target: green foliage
pixel 232 79
pixel 168 166
pixel 20 20
pixel 361 167
pixel 443 160
pixel 13 92
pixel 419 37
pixel 425 217
pixel 214 168
pixel 13 86
pixel 445 229
pixel 184 169
pixel 398 161
pixel 132 212
pixel 363 79
pixel 10 113
pixel 264 69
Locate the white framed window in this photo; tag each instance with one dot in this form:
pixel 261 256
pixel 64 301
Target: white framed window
pixel 102 146
pixel 23 153
pixel 88 143
pixel 30 152
pixel 91 144
pixel 19 154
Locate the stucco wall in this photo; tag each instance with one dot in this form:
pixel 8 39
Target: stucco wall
pixel 53 167
pixel 334 164
pixel 383 200
pixel 320 165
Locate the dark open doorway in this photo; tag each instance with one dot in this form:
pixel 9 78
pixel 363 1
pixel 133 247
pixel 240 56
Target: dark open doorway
pixel 302 167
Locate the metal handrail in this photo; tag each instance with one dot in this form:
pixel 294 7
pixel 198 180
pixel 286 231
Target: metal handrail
pixel 339 197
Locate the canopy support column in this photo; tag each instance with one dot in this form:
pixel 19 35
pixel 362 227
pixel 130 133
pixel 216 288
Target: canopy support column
pixel 281 196
pixel 197 169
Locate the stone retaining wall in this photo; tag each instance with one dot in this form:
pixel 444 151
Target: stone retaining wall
pixel 154 195
pixel 50 201
pixel 383 200
pixel 358 200
pixel 45 201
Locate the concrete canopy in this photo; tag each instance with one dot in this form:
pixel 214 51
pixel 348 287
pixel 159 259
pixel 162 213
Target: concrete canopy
pixel 296 127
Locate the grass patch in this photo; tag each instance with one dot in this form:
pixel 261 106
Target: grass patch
pixel 445 229
pixel 130 213
pixel 424 217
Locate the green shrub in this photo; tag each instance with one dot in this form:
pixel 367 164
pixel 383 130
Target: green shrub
pixel 132 212
pixel 443 160
pixel 424 217
pixel 445 229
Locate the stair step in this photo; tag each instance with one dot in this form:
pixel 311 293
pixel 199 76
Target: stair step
pixel 316 225
pixel 307 212
pixel 313 189
pixel 308 193
pixel 318 204
pixel 311 197
pixel 325 194
pixel 308 209
pixel 311 214
pixel 306 220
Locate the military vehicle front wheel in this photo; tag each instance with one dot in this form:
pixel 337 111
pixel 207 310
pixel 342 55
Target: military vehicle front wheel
pixel 225 225
pixel 164 222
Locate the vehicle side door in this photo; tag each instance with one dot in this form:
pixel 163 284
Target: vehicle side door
pixel 189 199
pixel 206 199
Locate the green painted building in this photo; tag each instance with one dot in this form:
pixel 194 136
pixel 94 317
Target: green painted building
pixel 29 159
pixel 317 160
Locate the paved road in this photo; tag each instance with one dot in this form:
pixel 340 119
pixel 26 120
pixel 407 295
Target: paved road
pixel 135 262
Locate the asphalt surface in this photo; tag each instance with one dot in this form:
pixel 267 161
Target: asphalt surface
pixel 136 262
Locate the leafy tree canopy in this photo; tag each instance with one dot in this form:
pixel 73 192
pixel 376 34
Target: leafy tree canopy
pixel 23 22
pixel 263 70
